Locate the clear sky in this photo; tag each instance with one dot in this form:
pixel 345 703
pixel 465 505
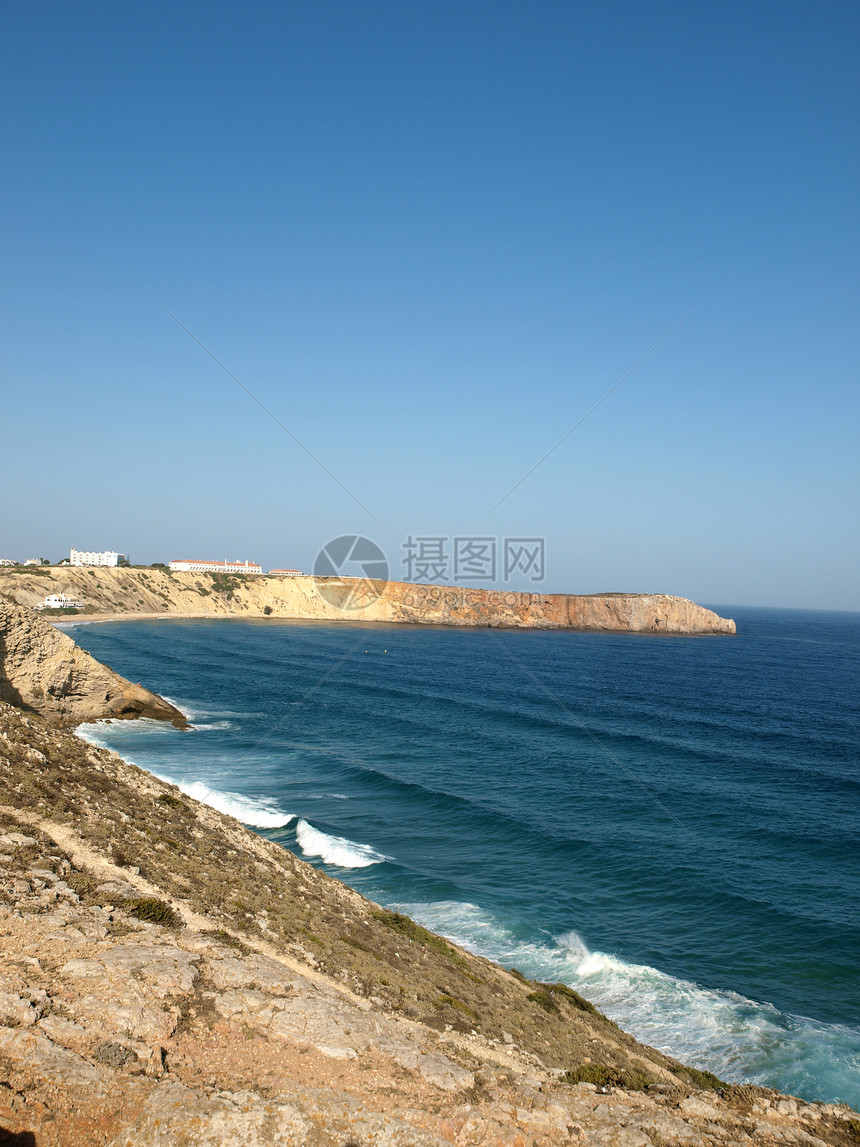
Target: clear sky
pixel 429 237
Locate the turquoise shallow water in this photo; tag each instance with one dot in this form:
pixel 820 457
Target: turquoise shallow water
pixel 670 825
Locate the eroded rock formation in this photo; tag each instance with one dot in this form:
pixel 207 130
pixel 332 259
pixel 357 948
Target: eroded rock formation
pixel 44 671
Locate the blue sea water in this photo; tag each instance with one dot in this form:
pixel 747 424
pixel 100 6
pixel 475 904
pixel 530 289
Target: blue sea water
pixel 668 824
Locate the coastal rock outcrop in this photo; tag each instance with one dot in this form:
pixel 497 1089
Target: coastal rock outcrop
pixel 44 671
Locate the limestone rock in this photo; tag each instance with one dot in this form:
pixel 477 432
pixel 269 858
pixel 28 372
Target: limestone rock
pixel 44 671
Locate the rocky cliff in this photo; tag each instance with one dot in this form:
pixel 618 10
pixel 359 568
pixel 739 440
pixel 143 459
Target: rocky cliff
pixel 170 978
pixel 44 671
pixel 157 592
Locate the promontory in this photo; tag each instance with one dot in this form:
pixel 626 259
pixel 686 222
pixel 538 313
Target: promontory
pixel 159 592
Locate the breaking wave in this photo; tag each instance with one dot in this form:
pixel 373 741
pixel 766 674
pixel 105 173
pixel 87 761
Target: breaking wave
pixel 336 850
pixel 737 1038
pixel 256 811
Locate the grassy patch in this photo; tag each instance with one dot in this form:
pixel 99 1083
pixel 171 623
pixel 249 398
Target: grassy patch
pixel 543 1000
pixel 170 800
pixel 227 938
pixel 457 1005
pixel 152 911
pixel 574 999
pixel 82 883
pixel 602 1076
pixel 227 583
pixel 403 926
pixel 357 944
pixel 705 1080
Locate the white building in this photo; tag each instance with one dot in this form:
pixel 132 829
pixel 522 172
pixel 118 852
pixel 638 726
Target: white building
pixel 236 567
pixel 59 601
pixel 92 558
pixel 32 562
pixel 7 562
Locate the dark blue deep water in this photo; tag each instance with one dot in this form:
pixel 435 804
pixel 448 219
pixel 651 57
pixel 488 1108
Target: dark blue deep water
pixel 670 825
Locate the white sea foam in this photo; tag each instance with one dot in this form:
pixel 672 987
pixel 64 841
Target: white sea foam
pixel 723 1031
pixel 195 714
pixel 94 734
pixel 90 734
pixel 256 811
pixel 335 850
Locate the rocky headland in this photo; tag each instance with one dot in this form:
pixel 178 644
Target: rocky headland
pixel 170 977
pixel 46 672
pixel 161 593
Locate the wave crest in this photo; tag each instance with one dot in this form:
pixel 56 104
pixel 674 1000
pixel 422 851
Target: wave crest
pixel 256 811
pixel 336 850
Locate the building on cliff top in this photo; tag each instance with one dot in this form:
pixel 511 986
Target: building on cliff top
pixel 59 601
pixel 94 558
pixel 285 573
pixel 190 566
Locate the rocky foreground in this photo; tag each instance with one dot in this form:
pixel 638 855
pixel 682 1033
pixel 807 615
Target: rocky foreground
pixel 160 593
pixel 169 977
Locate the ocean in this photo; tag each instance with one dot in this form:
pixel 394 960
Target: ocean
pixel 668 824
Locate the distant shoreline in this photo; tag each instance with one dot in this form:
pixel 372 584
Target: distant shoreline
pixel 120 593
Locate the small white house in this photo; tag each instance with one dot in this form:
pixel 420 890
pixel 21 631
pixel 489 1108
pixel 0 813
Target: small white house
pixel 60 601
pixel 94 558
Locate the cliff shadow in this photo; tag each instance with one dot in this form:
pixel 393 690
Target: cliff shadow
pixel 17 1138
pixel 11 696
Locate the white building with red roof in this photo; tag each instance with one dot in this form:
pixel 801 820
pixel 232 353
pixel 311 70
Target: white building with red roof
pixel 193 566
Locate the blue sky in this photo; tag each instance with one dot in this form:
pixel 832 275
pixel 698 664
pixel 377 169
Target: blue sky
pixel 429 237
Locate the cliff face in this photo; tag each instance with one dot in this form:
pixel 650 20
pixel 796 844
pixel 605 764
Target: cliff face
pixel 156 592
pixel 168 977
pixel 44 671
pixel 621 612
